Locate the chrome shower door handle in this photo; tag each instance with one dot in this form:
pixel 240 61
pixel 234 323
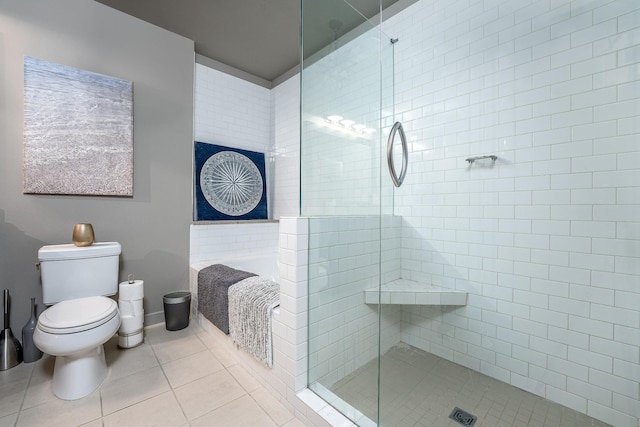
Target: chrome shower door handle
pixel 397 180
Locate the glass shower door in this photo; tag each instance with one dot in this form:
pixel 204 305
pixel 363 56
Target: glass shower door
pixel 347 194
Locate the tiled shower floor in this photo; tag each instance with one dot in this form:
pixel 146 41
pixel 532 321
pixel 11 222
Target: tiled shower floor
pixel 420 389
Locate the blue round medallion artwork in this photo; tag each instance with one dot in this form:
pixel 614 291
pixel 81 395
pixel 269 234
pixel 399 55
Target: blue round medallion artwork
pixel 229 183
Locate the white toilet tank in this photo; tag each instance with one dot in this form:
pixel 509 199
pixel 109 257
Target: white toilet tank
pixel 69 271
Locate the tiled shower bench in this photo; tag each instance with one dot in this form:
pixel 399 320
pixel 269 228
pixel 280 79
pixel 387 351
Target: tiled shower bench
pixel 408 292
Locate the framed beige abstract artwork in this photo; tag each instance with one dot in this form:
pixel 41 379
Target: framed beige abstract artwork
pixel 78 131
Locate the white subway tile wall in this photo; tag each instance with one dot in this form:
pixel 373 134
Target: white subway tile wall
pixel 293 250
pixel 546 239
pixel 290 329
pixel 286 134
pixel 233 240
pixel 342 166
pixel 230 111
pixel 344 258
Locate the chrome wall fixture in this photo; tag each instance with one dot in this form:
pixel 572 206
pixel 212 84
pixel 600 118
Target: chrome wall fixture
pixel 473 159
pixel 397 180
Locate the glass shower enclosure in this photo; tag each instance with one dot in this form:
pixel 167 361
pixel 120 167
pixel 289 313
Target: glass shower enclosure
pixel 347 192
pixel 501 279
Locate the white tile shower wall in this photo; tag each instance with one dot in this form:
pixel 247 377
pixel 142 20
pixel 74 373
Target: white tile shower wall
pixel 232 240
pixel 293 257
pixel 286 135
pixel 290 328
pixel 344 254
pixel 546 240
pixel 342 166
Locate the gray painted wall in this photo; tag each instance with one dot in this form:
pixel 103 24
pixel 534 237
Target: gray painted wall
pixel 153 225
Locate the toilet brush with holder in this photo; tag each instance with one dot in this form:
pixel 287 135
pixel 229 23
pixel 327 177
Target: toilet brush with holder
pixel 10 348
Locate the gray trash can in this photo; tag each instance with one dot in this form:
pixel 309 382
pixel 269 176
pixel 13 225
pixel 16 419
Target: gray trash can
pixel 177 306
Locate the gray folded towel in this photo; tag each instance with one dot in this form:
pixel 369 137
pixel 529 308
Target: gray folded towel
pixel 213 292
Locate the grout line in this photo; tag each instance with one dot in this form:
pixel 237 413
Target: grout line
pixel 24 394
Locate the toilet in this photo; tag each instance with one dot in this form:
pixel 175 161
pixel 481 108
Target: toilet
pixel 76 282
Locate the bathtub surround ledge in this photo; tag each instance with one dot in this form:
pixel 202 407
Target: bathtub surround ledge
pixel 285 249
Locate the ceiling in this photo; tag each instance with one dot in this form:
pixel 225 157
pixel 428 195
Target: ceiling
pixel 260 37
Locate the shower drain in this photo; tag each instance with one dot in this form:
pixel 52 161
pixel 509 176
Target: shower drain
pixel 463 417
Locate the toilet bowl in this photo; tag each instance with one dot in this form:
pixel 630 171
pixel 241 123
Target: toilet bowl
pixel 74 331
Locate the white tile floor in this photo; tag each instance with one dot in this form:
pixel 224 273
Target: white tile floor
pixel 179 378
pixel 184 378
pixel 421 389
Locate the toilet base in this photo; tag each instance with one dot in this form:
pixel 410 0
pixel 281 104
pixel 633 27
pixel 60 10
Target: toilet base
pixel 78 375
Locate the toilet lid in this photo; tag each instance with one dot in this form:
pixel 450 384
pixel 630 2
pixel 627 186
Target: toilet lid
pixel 77 315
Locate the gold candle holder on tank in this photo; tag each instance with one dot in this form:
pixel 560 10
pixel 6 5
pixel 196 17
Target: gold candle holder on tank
pixel 83 235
